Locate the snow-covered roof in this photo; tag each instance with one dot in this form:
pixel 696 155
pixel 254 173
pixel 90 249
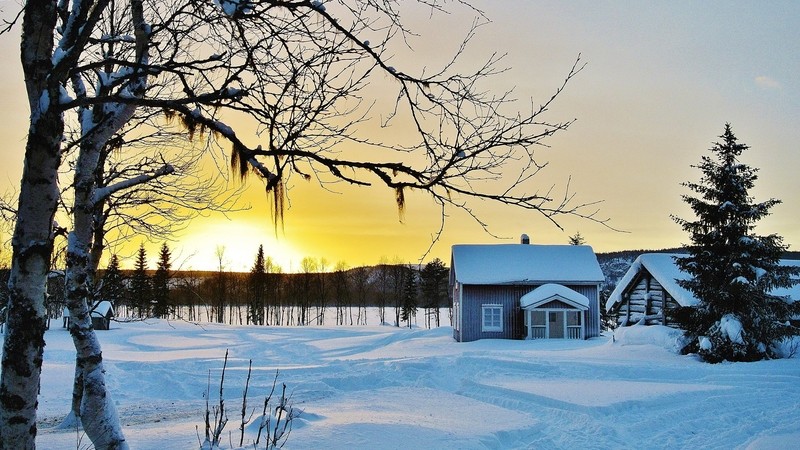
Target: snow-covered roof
pixel 102 308
pixel 663 268
pixel 551 291
pixel 525 263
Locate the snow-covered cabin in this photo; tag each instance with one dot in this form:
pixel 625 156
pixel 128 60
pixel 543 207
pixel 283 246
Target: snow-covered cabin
pixel 524 291
pixel 102 312
pixel 650 288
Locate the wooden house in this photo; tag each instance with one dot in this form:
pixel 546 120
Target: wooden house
pixel 102 312
pixel 524 291
pixel 650 288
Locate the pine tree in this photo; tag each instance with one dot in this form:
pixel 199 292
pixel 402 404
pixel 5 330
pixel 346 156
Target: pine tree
pixel 140 292
pixel 577 239
pixel 161 283
pixel 733 269
pixel 410 296
pixel 257 285
pixel 433 285
pixel 113 287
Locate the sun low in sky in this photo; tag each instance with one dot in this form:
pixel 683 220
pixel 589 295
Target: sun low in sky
pixel 662 79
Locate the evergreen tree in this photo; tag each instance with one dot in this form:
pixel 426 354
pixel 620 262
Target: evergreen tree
pixel 733 269
pixel 257 283
pixel 140 292
pixel 113 287
pixel 433 285
pixel 410 296
pixel 577 239
pixel 161 283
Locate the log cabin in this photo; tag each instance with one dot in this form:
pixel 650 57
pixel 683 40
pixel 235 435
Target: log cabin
pixel 650 288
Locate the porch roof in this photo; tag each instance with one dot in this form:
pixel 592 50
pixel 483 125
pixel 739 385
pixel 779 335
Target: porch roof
pixel 549 292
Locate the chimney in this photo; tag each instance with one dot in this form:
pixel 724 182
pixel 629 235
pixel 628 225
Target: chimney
pixel 524 239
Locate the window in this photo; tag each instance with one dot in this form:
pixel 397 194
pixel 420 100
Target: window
pixel 538 318
pixel 492 318
pixel 573 318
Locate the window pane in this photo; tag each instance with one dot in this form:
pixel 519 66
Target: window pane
pixel 538 318
pixel 492 319
pixel 573 318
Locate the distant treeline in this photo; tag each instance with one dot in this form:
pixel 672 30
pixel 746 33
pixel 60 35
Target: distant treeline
pixel 265 296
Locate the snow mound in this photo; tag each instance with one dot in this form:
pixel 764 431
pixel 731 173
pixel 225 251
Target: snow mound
pixel 732 328
pixel 658 335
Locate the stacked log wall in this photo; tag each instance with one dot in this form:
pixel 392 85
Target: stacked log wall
pixel 646 300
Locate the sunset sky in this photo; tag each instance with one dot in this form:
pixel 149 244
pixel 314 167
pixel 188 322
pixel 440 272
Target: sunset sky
pixel 661 80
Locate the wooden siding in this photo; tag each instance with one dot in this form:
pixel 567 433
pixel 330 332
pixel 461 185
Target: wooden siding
pixel 592 318
pixel 473 297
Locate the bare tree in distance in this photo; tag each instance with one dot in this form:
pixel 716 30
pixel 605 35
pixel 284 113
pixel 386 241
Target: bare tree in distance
pixel 220 285
pixel 298 71
pixel 341 291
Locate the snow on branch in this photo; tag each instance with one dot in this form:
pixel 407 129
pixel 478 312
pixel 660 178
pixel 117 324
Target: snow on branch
pixel 101 194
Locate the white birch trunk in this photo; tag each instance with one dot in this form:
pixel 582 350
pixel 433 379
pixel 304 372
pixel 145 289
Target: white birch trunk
pixel 23 343
pixel 91 400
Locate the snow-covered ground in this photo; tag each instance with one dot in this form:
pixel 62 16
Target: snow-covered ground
pixel 394 388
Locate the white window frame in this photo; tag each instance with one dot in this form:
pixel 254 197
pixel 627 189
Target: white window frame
pixel 490 309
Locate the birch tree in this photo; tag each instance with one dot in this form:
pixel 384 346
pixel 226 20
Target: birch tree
pixel 299 71
pixel 32 242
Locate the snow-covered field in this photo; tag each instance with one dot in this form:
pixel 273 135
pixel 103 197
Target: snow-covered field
pixel 383 387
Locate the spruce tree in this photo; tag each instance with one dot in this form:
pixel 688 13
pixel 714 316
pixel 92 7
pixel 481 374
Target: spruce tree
pixel 113 287
pixel 410 296
pixel 140 292
pixel 433 285
pixel 577 239
pixel 161 283
pixel 733 269
pixel 257 286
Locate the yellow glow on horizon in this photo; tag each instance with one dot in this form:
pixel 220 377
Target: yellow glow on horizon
pixel 238 241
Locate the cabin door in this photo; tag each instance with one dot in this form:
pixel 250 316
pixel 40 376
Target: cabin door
pixel 556 324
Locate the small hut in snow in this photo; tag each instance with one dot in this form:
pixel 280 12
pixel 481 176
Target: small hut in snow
pixel 524 291
pixel 102 312
pixel 650 289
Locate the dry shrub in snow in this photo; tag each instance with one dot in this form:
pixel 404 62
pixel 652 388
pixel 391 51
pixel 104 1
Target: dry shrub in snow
pixel 271 428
